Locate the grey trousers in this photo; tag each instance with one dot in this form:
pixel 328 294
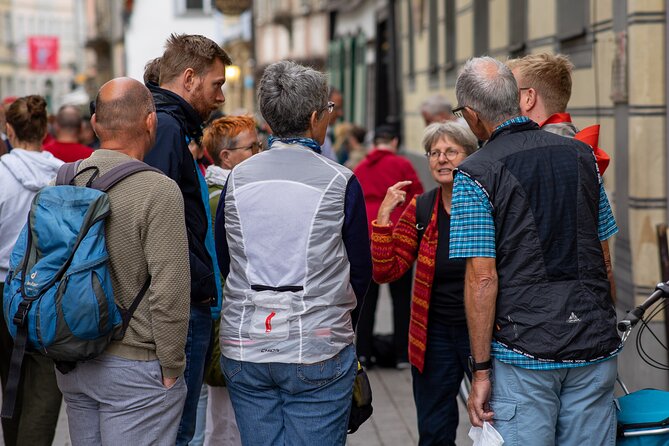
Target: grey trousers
pixel 116 401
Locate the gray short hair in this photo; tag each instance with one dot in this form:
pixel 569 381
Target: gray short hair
pixel 487 86
pixel 288 94
pixel 457 132
pixel 436 104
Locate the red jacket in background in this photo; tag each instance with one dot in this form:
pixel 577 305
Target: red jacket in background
pixel 68 152
pixel 377 172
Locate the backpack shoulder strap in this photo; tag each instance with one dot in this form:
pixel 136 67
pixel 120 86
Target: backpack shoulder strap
pixel 120 172
pixel 66 173
pixel 424 206
pixel 126 313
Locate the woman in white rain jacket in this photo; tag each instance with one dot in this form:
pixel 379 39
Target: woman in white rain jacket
pixel 23 172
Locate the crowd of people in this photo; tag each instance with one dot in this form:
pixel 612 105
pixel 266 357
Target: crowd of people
pixel 264 253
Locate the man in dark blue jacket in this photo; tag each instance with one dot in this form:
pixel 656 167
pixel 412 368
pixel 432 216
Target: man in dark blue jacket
pixel 192 72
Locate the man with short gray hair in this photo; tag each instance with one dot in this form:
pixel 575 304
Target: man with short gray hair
pixel 532 219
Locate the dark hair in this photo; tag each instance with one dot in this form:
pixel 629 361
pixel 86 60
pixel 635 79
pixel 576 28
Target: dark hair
pixel 183 51
pixel 359 133
pixel 385 133
pixel 69 117
pixel 27 116
pixel 152 71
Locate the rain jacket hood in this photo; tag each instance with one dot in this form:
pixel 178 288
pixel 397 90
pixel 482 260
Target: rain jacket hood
pixel 32 170
pixel 22 174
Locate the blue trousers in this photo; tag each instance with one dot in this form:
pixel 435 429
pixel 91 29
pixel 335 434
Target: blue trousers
pixel 435 390
pixel 292 404
pixel 197 345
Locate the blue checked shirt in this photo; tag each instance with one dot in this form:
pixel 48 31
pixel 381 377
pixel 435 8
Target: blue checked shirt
pixel 473 235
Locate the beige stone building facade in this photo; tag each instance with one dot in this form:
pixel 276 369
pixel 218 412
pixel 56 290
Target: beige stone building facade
pixel 291 29
pixel 620 53
pixel 6 60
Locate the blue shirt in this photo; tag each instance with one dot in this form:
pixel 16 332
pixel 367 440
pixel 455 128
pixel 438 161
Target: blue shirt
pixel 473 235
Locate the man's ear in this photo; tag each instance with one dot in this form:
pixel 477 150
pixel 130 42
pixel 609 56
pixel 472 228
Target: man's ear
pixel 189 79
pixel 94 124
pixel 530 99
pixel 151 122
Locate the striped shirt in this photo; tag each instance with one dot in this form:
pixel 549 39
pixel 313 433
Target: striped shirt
pixel 473 235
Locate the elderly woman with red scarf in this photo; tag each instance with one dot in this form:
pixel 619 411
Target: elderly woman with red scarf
pixel 438 339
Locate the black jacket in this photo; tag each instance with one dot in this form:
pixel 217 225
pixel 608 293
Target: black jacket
pixel 178 123
pixel 554 298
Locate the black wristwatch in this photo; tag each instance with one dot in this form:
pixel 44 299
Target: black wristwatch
pixel 476 366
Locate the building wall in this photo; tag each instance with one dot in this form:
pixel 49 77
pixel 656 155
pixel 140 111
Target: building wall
pixel 144 40
pixel 6 60
pixel 629 104
pixel 291 29
pixel 237 40
pixel 26 18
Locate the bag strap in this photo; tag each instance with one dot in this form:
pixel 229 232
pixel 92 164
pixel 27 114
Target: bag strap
pixel 66 173
pixel 424 206
pixel 120 172
pixel 19 349
pixel 126 314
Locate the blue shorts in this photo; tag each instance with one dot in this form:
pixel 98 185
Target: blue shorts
pixel 565 407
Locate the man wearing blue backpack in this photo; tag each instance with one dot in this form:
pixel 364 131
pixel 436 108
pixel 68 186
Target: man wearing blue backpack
pixel 134 392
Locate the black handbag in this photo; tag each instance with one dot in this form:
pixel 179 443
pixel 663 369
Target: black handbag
pixel 361 404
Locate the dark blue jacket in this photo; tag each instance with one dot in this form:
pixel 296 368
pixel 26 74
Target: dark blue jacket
pixel 178 123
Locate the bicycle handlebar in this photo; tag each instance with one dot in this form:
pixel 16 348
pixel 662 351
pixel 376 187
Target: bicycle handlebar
pixel 634 316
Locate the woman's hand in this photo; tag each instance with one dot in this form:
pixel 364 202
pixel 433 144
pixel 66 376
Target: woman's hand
pixel 395 196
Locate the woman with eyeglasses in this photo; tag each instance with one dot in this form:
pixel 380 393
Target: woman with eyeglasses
pixel 438 339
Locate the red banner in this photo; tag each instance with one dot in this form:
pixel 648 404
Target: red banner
pixel 43 53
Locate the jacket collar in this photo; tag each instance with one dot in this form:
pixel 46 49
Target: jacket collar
pixel 556 118
pixel 171 103
pixel 513 128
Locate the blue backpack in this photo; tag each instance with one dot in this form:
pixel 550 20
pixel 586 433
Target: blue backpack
pixel 58 297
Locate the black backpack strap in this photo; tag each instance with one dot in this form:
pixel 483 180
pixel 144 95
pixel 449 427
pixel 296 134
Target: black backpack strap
pixel 19 349
pixel 66 173
pixel 118 173
pixel 424 206
pixel 126 313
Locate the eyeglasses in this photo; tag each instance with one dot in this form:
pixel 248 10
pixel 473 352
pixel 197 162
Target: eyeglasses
pixel 434 155
pixel 330 107
pixel 255 147
pixel 458 111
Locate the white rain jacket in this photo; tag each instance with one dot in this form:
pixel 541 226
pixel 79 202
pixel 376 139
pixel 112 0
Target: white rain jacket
pixel 22 174
pixel 288 295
